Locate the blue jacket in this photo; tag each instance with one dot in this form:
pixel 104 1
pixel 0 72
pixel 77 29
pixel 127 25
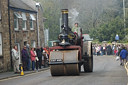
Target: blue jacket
pixel 25 55
pixel 123 54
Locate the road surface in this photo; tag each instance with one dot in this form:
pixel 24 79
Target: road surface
pixel 107 71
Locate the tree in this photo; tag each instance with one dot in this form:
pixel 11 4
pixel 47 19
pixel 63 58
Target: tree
pixel 95 16
pixel 108 31
pixel 51 11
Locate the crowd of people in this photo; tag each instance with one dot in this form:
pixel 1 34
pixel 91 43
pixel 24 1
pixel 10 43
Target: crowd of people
pixel 118 50
pixel 32 59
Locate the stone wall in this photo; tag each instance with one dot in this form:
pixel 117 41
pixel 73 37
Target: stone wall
pixel 21 36
pixel 5 63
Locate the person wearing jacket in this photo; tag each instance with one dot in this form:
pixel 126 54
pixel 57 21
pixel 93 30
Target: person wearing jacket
pixel 33 55
pixel 25 58
pixel 76 29
pixel 29 59
pixel 123 55
pixel 39 55
pixel 15 57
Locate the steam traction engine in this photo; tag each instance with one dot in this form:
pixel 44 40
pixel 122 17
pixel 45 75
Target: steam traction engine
pixel 71 53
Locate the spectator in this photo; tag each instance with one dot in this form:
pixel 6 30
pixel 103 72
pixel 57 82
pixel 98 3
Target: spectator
pixel 108 48
pixel 42 50
pixel 45 58
pixel 46 50
pixel 25 58
pixel 118 50
pixel 101 50
pixel 36 59
pixel 33 55
pixel 15 57
pixel 29 60
pixel 123 55
pixel 98 50
pixel 104 52
pixel 94 49
pixel 115 51
pixel 39 55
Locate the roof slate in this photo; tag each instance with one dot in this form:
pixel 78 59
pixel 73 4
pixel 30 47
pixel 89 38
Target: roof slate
pixel 23 4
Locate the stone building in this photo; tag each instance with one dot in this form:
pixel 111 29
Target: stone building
pixel 19 25
pixel 4 37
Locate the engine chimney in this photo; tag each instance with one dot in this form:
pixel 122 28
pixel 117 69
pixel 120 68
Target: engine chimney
pixel 65 19
pixel 63 36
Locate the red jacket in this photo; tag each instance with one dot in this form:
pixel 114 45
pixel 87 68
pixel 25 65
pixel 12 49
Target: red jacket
pixel 32 55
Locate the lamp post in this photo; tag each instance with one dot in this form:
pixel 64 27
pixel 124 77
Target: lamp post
pixel 38 39
pixel 60 23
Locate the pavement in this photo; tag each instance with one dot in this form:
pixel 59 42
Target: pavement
pixel 6 75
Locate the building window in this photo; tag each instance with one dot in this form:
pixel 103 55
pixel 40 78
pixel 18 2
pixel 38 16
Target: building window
pixel 16 17
pixel 31 25
pixel 1 48
pixel 24 27
pixel 15 23
pixel 33 44
pixel 32 18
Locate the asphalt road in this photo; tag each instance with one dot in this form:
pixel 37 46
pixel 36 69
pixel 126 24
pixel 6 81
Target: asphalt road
pixel 107 71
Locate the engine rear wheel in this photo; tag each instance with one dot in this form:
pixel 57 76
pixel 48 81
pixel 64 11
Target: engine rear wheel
pixel 88 64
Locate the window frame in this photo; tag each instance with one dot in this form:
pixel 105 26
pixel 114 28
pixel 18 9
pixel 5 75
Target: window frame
pixel 32 17
pixel 24 26
pixel 16 23
pixel 17 16
pixel 31 21
pixel 24 21
pixel 31 24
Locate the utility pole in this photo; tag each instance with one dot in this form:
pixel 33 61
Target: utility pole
pixel 60 23
pixel 124 13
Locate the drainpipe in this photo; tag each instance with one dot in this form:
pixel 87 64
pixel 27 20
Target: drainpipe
pixel 38 33
pixel 10 33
